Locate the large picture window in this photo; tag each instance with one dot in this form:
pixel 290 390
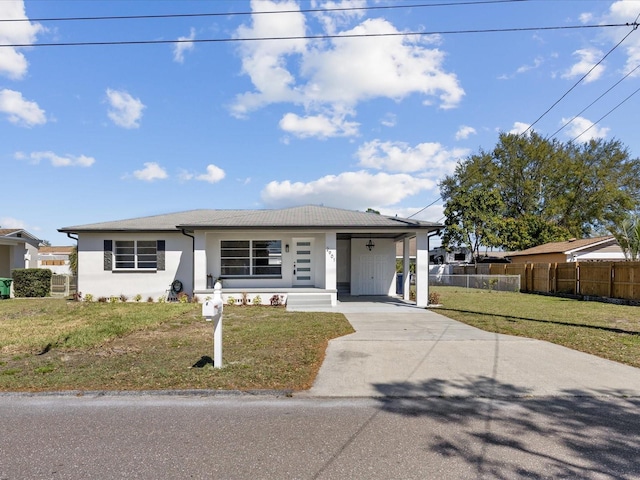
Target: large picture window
pixel 136 255
pixel 251 258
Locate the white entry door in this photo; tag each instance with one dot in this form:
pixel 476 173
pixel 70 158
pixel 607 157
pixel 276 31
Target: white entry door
pixel 303 273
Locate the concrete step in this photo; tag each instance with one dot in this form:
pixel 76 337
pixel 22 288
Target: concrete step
pixel 308 300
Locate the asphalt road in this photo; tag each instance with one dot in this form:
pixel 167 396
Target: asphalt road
pixel 270 437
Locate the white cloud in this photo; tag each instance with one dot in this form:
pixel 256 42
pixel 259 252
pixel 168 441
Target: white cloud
pixel 151 171
pixel 20 111
pixel 389 120
pixel 214 174
pixel 464 132
pixel 125 111
pixel 350 190
pixel 583 129
pixel 57 160
pixel 588 58
pixel 320 126
pixel 624 11
pixel 432 213
pixel 335 75
pixel 184 44
pixel 10 222
pixel 13 63
pixel 519 127
pixel 430 159
pixel 344 12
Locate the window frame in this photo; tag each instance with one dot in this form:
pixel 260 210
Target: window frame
pixel 252 259
pixel 136 257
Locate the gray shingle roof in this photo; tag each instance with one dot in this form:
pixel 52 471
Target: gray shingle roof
pixel 309 216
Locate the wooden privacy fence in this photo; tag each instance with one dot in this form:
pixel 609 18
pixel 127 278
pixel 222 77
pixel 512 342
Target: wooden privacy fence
pixel 595 279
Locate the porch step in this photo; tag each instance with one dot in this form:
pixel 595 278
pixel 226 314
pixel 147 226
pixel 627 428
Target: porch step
pixel 308 300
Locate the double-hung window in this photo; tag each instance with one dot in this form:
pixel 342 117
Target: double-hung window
pixel 136 255
pixel 251 258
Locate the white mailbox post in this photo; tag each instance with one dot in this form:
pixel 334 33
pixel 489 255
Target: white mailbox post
pixel 212 311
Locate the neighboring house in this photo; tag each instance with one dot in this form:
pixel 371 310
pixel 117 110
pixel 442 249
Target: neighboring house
pixel 574 250
pixel 18 249
pixel 438 255
pixel 311 250
pixel 55 259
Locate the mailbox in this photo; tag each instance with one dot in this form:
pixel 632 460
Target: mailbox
pixel 210 309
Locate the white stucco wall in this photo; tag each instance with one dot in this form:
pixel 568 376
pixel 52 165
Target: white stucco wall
pixel 94 280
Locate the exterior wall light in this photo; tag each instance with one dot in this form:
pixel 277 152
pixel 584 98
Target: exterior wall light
pixel 370 245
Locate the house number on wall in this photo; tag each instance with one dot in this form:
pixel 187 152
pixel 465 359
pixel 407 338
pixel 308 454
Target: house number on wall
pixel 331 255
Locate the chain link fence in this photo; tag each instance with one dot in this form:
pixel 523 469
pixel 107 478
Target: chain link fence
pixel 502 283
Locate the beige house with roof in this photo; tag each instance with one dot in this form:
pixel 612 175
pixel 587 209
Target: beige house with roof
pixel 306 254
pixel 576 250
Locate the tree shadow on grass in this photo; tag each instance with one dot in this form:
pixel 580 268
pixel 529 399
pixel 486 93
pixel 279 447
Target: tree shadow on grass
pixel 553 322
pixel 500 431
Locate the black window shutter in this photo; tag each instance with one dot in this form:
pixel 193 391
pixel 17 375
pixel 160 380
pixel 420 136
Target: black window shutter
pixel 108 255
pixel 160 251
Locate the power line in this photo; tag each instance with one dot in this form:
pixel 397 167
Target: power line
pixel 604 116
pixel 634 26
pixel 423 209
pixel 592 103
pixel 245 13
pixel 318 37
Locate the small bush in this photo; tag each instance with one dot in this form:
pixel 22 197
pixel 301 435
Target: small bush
pixel 162 299
pixel 276 300
pixel 138 297
pixel 257 300
pixel 183 297
pixel 102 299
pixel 113 299
pixel 195 299
pixel 244 300
pixel 31 282
pixel 123 298
pixel 434 298
pixel 88 298
pixel 231 301
pixel 149 299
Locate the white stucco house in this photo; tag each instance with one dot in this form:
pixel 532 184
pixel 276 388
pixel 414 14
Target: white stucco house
pixel 306 253
pixel 18 249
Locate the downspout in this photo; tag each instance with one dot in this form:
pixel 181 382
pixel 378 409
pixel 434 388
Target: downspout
pixel 193 260
pixel 77 295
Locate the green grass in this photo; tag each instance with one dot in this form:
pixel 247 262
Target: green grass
pixel 607 330
pixel 52 345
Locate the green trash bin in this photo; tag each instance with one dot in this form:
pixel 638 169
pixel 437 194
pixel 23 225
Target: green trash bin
pixel 5 287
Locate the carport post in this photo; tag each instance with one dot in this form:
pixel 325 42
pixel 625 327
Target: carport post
pixel 406 270
pixel 422 269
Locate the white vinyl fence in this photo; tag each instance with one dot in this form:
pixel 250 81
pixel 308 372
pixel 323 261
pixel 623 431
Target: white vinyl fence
pixel 63 285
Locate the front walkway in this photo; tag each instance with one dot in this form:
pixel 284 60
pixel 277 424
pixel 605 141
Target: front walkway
pixel 405 351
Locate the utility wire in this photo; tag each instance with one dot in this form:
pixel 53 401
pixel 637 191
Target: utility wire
pixel 634 26
pixel 604 116
pixel 310 10
pixel 423 209
pixel 592 103
pixel 318 37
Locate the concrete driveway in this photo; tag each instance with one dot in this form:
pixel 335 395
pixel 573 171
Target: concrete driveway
pixel 404 351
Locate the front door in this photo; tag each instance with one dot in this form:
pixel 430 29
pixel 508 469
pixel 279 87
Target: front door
pixel 303 274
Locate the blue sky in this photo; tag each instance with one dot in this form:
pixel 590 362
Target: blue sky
pixel 94 133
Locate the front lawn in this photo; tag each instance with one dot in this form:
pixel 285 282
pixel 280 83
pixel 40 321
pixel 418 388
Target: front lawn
pixel 603 329
pixel 52 344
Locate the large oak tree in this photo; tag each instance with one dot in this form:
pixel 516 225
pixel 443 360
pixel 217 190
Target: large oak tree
pixel 530 190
